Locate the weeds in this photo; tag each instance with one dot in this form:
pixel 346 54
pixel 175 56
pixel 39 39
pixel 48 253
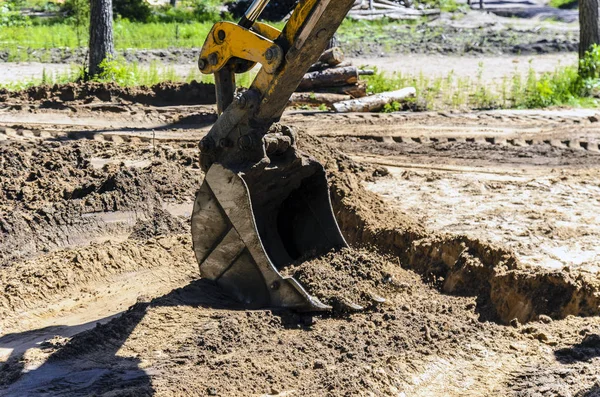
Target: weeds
pixel 567 85
pixel 126 74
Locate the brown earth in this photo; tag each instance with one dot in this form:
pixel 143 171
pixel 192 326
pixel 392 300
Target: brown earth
pixel 59 96
pixel 94 219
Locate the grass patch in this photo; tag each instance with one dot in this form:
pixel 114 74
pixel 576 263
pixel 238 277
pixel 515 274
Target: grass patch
pixel 564 4
pixel 22 41
pixel 126 74
pixel 565 86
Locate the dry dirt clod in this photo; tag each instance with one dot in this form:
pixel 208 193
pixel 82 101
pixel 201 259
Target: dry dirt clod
pixel 544 319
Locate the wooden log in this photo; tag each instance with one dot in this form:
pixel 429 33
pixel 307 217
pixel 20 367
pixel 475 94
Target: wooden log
pixel 398 8
pixel 333 56
pixel 401 10
pixel 330 58
pixel 317 98
pixel 354 90
pixel 389 3
pixel 329 78
pixel 391 17
pixel 317 67
pixel 374 102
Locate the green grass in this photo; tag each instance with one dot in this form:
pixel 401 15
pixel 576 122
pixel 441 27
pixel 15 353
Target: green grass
pixel 126 75
pixel 562 87
pixel 563 3
pixel 20 41
pixel 559 88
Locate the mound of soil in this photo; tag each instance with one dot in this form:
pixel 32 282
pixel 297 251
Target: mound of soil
pixel 347 278
pixel 54 196
pixel 456 264
pixel 161 94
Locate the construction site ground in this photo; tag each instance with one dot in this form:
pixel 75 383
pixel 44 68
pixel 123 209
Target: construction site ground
pixel 480 230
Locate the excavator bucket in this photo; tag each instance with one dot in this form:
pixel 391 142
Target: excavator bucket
pixel 263 205
pixel 246 227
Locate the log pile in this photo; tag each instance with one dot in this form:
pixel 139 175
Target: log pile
pixel 330 80
pixel 336 83
pixel 377 9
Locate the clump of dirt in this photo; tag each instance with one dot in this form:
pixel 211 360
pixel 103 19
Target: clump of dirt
pixel 346 278
pixel 161 94
pixel 161 223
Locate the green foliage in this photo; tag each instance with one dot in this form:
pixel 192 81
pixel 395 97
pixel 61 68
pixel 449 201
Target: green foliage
pixel 564 86
pixel 20 41
pixel 589 66
pixel 133 10
pixel 78 15
pixel 565 4
pixel 392 107
pixel 191 11
pixel 11 16
pixel 589 71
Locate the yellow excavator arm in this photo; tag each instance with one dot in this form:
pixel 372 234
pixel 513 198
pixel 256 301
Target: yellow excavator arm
pixel 263 204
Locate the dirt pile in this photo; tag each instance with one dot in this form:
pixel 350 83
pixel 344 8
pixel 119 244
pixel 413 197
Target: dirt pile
pixel 195 341
pixel 161 94
pixel 456 264
pixel 348 279
pixel 215 351
pixel 72 193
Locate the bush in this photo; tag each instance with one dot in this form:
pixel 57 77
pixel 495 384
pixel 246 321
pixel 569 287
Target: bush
pixel 10 15
pixel 133 10
pixel 589 70
pixel 276 10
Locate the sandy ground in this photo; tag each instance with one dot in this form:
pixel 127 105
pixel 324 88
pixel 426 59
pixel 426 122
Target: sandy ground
pixel 502 176
pixel 492 68
pixel 101 294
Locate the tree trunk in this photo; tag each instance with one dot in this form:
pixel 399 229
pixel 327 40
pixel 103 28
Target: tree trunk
pixel 101 34
pixel 173 3
pixel 589 22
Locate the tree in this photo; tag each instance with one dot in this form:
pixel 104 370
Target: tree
pixel 589 22
pixel 101 34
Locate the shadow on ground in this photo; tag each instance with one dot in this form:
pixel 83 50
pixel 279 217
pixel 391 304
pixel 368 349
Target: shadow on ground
pixel 73 370
pixel 585 351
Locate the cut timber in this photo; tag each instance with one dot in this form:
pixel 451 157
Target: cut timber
pixel 329 78
pixel 317 98
pixel 378 6
pixel 389 3
pixel 358 90
pixel 392 17
pixel 374 102
pixel 333 56
pixel 405 11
